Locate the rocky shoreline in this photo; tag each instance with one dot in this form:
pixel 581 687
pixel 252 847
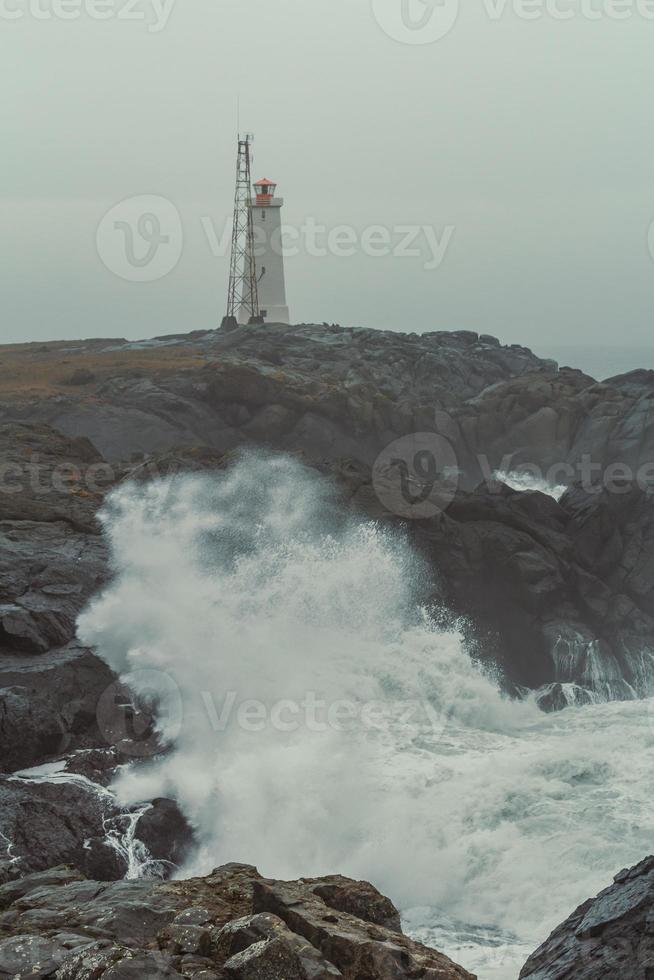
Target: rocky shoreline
pixel 559 594
pixel 232 924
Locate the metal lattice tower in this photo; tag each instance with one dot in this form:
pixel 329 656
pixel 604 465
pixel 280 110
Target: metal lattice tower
pixel 243 295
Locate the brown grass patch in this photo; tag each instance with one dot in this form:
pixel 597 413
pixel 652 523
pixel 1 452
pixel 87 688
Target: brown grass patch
pixel 28 370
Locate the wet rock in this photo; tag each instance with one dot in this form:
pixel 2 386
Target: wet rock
pixel 46 824
pixel 165 831
pixel 97 765
pixel 102 861
pixel 48 705
pixel 608 936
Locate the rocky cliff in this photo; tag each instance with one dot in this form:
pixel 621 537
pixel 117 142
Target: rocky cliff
pixel 558 593
pixel 332 392
pixel 608 936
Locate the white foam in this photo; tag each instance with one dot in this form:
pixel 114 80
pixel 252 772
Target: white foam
pixel 486 811
pixel 527 481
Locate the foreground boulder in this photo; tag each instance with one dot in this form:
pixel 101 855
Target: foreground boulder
pixel 609 936
pixel 233 924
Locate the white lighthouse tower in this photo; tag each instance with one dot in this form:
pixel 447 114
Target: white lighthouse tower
pixel 267 223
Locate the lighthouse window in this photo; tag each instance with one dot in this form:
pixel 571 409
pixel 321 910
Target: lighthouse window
pixel 263 215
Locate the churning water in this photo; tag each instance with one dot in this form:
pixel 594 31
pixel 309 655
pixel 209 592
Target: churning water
pixel 321 722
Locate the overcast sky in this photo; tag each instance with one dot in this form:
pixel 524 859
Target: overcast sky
pixel 523 147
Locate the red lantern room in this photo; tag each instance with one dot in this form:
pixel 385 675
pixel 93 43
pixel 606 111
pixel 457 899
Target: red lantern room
pixel 265 191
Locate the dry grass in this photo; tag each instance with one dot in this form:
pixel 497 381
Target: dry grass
pixel 29 370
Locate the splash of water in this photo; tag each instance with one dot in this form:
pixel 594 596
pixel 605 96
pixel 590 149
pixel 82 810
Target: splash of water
pixel 328 725
pixel 119 827
pixel 525 480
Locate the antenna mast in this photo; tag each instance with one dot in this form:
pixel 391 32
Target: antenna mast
pixel 243 296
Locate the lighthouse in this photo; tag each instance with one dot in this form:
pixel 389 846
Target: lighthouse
pixel 266 211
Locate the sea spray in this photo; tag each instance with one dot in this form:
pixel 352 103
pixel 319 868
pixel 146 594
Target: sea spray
pixel 324 724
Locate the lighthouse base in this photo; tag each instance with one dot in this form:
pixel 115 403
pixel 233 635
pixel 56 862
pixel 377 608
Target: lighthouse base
pixel 272 314
pixel 277 314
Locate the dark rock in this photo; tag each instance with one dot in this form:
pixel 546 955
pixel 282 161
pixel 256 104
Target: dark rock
pixel 141 966
pixel 356 949
pixel 97 765
pixel 360 899
pixel 48 704
pixel 89 963
pixel 267 960
pixel 165 831
pixel 608 936
pixel 79 377
pixel 142 929
pixel 193 917
pixel 45 824
pixel 49 822
pixel 12 891
pixel 190 939
pixel 268 939
pixel 29 956
pixel 102 861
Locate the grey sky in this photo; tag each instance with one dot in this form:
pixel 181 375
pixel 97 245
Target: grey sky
pixel 531 139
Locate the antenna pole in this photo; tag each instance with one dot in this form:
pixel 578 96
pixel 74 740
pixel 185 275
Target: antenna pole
pixel 243 293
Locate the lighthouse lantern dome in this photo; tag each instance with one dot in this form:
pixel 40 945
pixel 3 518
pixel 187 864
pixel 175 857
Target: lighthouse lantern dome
pixel 265 190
